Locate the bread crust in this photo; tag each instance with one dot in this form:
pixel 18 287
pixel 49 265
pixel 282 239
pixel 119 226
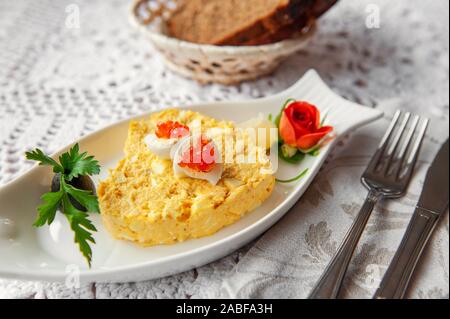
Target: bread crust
pixel 284 33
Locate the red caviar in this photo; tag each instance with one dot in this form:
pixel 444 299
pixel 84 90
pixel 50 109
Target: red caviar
pixel 200 158
pixel 171 129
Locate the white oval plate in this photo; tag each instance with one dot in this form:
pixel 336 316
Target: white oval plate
pixel 29 253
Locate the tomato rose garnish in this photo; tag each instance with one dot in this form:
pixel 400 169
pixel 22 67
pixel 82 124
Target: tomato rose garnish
pixel 171 129
pixel 200 157
pixel 300 126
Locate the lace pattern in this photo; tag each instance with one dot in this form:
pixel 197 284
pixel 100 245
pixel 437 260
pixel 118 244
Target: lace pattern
pixel 59 83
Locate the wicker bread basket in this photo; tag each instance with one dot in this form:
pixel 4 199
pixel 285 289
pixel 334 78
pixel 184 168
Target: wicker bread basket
pixel 210 63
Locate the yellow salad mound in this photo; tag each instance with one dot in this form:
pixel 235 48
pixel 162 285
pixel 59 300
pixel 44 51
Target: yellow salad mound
pixel 142 201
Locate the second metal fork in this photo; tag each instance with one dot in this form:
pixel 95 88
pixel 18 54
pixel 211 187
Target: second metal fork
pixel 387 176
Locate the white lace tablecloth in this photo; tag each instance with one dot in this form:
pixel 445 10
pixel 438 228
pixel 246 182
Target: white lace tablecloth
pixel 58 83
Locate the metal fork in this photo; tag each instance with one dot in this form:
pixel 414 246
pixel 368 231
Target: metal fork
pixel 387 176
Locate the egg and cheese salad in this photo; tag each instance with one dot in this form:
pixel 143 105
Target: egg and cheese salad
pixel 155 196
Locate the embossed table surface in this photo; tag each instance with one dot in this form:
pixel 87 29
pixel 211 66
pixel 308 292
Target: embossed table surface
pixel 59 82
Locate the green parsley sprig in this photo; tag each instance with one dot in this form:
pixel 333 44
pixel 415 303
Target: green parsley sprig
pixel 72 164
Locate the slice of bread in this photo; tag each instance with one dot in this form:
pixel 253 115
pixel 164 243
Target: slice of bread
pixel 230 22
pixel 237 22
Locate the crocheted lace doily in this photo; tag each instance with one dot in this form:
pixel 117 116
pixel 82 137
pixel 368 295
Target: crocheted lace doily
pixel 58 83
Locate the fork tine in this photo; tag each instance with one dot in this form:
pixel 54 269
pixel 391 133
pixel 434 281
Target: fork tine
pixel 414 154
pixel 409 138
pixel 399 135
pixel 389 156
pixel 396 164
pixel 384 143
pixel 386 138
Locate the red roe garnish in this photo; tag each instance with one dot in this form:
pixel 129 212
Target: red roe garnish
pixel 200 157
pixel 171 129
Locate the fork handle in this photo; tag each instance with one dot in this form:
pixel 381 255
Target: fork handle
pixel 395 281
pixel 330 283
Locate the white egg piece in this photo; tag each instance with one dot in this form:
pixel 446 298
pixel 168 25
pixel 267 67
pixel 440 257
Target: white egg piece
pixel 212 176
pixel 160 146
pixel 262 125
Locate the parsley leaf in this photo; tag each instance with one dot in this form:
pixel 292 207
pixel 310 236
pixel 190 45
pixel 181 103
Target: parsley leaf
pixel 80 225
pixel 47 211
pixel 78 164
pixel 85 198
pixel 38 155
